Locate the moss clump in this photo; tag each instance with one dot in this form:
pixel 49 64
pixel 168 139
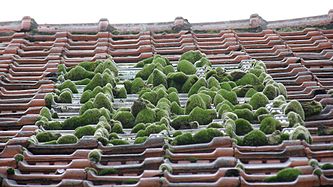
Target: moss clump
pixel 95 155
pixel 118 142
pixel 191 80
pixel 195 88
pixel 183 139
pixel 326 166
pixel 301 133
pixel 146 71
pixel 191 56
pixel 202 116
pixel 140 140
pixel 295 106
pixel 269 125
pixel 168 69
pixel 186 67
pixel 102 135
pixel 243 106
pixel 285 175
pixel 10 171
pixel 215 125
pixel 107 171
pixel 100 80
pixel 67 139
pixel 245 114
pixel 62 69
pixel 109 64
pixel 68 84
pixel 84 131
pixel 151 129
pixel 206 135
pixel 126 118
pixel 229 95
pixel 218 99
pixel 312 108
pixel 120 92
pixel 79 73
pixel 117 127
pixel 173 97
pixel 49 100
pixel 203 62
pixel 180 122
pixel 260 111
pixel 250 92
pixel 248 78
pixel 46 113
pixel 158 78
pixel 242 127
pixel 53 125
pixel 138 105
pixel 294 118
pixel 146 115
pixel 194 101
pixel 206 98
pixel 46 136
pixel 137 85
pixel 65 97
pixel 213 82
pixel 255 138
pixel 282 90
pixel 19 158
pixel 101 100
pixel 258 100
pixel 176 80
pixel 271 91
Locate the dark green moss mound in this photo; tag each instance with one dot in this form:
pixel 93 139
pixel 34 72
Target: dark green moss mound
pixel 192 79
pixel 119 92
pixel 255 138
pixel 90 66
pixel 101 100
pixel 118 142
pixel 242 90
pixel 95 156
pixel 46 113
pixel 100 80
pixel 138 127
pixel 203 62
pixel 140 140
pixel 243 127
pixel 126 118
pixel 206 135
pixel 87 130
pixel 258 100
pixel 117 127
pixel 294 118
pixel 229 95
pixel 109 65
pixel 285 175
pixel 312 108
pixel 180 122
pixel 67 139
pixel 146 71
pixel 260 111
pixel 68 84
pixel 151 129
pixel 295 106
pixel 194 101
pixel 65 97
pixel 213 82
pixel 137 85
pixel 173 97
pixel 79 73
pixel 146 115
pixel 192 56
pixel 46 136
pixel 49 100
pixel 245 114
pixel 107 171
pixel 248 78
pixel 271 91
pixel 301 133
pixel 62 69
pixel 186 67
pixel 168 69
pixel 269 125
pixel 176 80
pixel 195 88
pixel 53 125
pixel 203 116
pixel 176 109
pixel 250 92
pixel 183 139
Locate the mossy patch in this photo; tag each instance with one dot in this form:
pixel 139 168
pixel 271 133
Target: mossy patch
pixel 186 67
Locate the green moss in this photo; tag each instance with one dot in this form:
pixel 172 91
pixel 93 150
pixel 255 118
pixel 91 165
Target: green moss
pixel 172 90
pixel 158 78
pixel 213 82
pixel 90 66
pixel 53 125
pixel 100 80
pixel 113 135
pixel 84 131
pixel 173 97
pixel 183 139
pixel 46 136
pixel 68 84
pixel 229 95
pixel 195 88
pixel 86 106
pixel 65 97
pixel 242 127
pixel 107 171
pixel 176 80
pixel 294 118
pixel 248 78
pixel 151 97
pixel 255 138
pixel 245 114
pixel 180 121
pixel 138 105
pixel 207 99
pixel 194 101
pixel 236 74
pixel 229 115
pixel 109 64
pixel 301 133
pixel 117 127
pixel 192 56
pixel 242 90
pixel 118 142
pixel 101 100
pixel 82 82
pixel 191 80
pixel 95 155
pixel 271 91
pixel 146 71
pixel 143 62
pixel 161 113
pixel 186 67
pixel 137 85
pixel 120 93
pixel 18 158
pixel 168 69
pixel 215 125
pixel 67 139
pixel 203 62
pixel 260 111
pixel 61 69
pixel 282 89
pixel 49 100
pixel 79 73
pixel 295 106
pixel 140 140
pixel 243 106
pixel 151 129
pixel 206 135
pixel 126 118
pixel 312 108
pixel 177 133
pixel 203 116
pixel 146 115
pixel 285 175
pixel 46 113
pixel 226 86
pixel 326 166
pixel 10 171
pixel 250 92
pixel 269 125
pixel 258 100
pixel 218 99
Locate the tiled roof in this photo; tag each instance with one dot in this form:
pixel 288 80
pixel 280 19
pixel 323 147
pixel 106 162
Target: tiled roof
pixel 302 60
